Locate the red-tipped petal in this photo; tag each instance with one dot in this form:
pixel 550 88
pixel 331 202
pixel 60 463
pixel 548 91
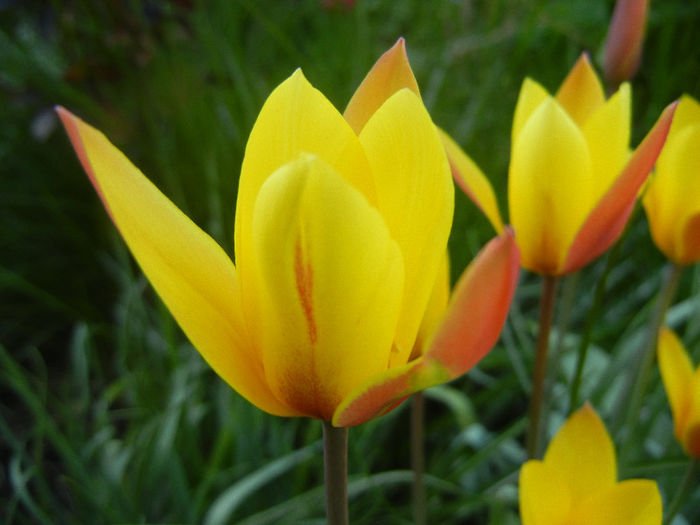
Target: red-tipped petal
pixel 391 73
pixel 607 220
pixel 479 306
pixel 469 329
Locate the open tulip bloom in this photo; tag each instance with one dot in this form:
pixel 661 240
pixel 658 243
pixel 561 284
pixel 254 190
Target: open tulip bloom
pixel 572 181
pixel 341 226
pixel 672 198
pixel 576 482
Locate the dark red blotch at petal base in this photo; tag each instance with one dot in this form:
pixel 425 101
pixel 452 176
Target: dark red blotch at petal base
pixel 607 220
pixel 468 330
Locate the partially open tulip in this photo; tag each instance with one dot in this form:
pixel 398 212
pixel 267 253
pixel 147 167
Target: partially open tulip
pixel 339 238
pixel 576 483
pixel 682 383
pixel 572 181
pixel 672 198
pixel 623 45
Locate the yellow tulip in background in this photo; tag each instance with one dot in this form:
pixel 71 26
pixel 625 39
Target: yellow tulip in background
pixel 682 383
pixel 572 181
pixel 341 227
pixel 672 199
pixel 576 483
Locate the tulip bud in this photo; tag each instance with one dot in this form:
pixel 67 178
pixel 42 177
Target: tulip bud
pixel 623 46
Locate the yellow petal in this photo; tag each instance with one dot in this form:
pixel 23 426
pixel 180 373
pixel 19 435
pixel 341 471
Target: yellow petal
pixel 531 96
pixel 691 433
pixel 330 280
pixel 607 133
pixel 633 502
pixel 581 94
pixel 472 181
pixel 673 196
pixel 583 454
pixel 415 195
pixel 436 308
pixel 389 74
pixel 676 373
pixel 687 114
pixel 550 188
pixel 191 273
pixel 544 496
pixel 295 118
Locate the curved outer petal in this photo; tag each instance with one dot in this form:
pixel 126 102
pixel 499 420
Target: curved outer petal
pixel 583 454
pixel 632 502
pixel 544 495
pixel 295 118
pixel 472 181
pixel 581 94
pixel 607 133
pixel 415 195
pixel 331 283
pixel 672 200
pixel 677 375
pixel 190 272
pixel 550 190
pixel 607 220
pixel 391 73
pixel 470 327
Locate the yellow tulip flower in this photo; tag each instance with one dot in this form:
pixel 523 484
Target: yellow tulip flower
pixel 672 199
pixel 572 182
pixel 341 228
pixel 576 483
pixel 682 384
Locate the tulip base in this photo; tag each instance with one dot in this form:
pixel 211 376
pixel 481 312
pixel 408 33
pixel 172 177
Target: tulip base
pixel 335 460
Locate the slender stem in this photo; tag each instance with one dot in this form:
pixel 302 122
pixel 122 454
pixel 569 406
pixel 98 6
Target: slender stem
pixel 418 457
pixel 549 286
pixel 682 491
pixel 591 319
pixel 646 360
pixel 335 459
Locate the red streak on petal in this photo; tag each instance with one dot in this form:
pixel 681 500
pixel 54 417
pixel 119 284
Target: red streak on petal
pixel 304 278
pixel 605 223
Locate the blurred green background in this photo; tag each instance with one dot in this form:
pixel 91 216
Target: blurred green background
pixel 107 414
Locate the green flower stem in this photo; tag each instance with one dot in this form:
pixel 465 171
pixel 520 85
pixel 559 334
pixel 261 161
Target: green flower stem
pixel 646 360
pixel 418 457
pixel 591 319
pixel 682 492
pixel 549 287
pixel 335 459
